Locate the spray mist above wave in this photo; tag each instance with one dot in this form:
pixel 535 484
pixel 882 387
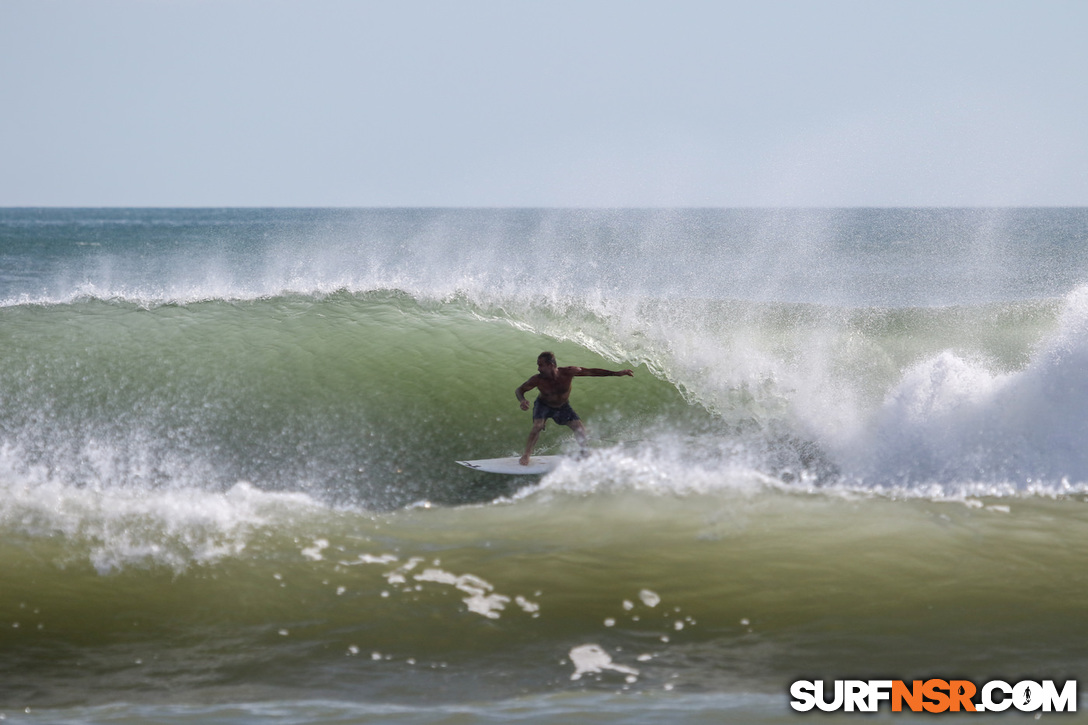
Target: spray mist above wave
pixel 837 257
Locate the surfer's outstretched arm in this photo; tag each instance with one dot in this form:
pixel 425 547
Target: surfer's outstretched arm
pixel 599 372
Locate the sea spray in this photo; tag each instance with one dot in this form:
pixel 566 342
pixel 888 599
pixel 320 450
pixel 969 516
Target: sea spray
pixel 953 419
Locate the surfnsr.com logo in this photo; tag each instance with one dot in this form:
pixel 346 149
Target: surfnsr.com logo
pixel 934 696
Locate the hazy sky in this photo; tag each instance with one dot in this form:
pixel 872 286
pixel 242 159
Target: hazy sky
pixel 517 103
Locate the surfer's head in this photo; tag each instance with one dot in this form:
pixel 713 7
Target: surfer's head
pixel 545 363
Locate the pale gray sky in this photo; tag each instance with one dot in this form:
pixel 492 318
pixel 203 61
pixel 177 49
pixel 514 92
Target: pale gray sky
pixel 517 103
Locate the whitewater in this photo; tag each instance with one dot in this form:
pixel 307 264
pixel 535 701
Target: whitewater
pixel 853 446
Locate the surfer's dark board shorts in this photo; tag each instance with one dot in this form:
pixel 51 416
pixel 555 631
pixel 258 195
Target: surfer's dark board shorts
pixel 562 415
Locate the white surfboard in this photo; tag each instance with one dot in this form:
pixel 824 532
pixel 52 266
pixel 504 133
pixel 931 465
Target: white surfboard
pixel 510 466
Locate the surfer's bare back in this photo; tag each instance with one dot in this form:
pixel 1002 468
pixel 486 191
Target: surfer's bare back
pixel 554 384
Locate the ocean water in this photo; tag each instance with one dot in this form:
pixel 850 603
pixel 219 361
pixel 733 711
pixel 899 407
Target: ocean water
pixel 854 447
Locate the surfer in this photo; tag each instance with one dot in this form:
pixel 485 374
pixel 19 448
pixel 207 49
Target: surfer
pixel 554 384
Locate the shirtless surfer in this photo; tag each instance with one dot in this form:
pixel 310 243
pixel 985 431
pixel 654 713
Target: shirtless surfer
pixel 554 383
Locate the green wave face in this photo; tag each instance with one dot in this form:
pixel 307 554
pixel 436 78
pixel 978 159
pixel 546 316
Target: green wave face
pixel 367 399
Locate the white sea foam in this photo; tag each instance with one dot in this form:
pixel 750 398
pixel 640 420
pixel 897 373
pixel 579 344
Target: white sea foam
pixel 951 419
pixel 121 526
pixel 591 659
